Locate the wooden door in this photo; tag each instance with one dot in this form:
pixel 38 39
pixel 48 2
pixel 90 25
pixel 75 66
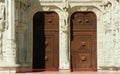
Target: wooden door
pixel 83 41
pixel 45 41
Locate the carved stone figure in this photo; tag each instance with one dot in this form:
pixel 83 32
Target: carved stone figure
pixel 65 16
pixel 65 13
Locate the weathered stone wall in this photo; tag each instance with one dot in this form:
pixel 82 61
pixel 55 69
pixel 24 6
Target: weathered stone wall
pixel 107 13
pixel 16 38
pixel 111 31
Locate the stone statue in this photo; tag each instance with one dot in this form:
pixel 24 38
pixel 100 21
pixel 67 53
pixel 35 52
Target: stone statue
pixel 2 24
pixel 65 13
pixel 65 16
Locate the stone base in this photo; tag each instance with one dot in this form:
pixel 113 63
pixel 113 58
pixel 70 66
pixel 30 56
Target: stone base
pixel 7 71
pixel 109 69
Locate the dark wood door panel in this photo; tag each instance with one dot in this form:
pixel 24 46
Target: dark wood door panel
pixel 82 60
pixel 82 46
pixel 51 21
pixel 82 41
pixel 83 21
pixel 51 50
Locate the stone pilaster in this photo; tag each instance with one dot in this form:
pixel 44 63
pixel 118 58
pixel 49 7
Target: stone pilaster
pixel 9 51
pixel 64 40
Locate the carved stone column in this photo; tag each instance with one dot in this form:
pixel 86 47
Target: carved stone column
pixel 64 40
pixel 2 25
pixel 9 51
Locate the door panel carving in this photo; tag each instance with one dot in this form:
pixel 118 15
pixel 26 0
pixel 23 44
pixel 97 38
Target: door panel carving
pixel 84 21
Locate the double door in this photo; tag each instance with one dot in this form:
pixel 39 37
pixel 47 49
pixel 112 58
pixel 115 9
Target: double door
pixel 83 38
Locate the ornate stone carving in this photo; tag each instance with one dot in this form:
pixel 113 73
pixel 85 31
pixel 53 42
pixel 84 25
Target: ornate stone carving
pixel 25 3
pixel 83 8
pixel 2 25
pixel 65 30
pixel 107 4
pixel 65 14
pixel 24 6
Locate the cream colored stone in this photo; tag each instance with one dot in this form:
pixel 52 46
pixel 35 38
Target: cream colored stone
pixel 19 24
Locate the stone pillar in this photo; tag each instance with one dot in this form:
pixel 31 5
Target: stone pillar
pixel 64 41
pixel 7 63
pixel 9 51
pixel 2 25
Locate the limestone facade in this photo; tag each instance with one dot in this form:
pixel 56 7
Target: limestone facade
pixel 16 22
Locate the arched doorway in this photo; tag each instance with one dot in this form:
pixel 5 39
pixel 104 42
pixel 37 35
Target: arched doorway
pixel 45 41
pixel 83 41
